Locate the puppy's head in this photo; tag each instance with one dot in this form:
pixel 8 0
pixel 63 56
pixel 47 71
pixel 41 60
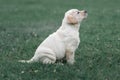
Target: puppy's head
pixel 75 16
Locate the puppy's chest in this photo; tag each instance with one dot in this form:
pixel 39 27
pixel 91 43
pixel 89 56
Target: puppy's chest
pixel 72 39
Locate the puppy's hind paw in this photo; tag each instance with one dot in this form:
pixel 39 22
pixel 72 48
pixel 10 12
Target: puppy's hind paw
pixel 48 61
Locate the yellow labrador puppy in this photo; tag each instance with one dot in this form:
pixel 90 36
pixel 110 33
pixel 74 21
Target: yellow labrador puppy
pixel 61 43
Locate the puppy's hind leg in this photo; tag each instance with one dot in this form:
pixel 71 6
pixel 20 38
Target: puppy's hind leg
pixel 47 56
pixel 49 59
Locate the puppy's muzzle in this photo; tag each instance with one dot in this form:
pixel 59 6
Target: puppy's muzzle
pixel 85 13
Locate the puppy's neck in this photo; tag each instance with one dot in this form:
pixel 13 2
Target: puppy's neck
pixel 73 26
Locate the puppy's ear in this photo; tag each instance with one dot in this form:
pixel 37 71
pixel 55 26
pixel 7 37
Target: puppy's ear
pixel 71 19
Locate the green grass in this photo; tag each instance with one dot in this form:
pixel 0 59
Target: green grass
pixel 24 24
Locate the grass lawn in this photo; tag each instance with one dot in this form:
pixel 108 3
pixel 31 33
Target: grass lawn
pixel 24 24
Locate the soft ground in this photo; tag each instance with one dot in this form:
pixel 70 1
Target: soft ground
pixel 24 24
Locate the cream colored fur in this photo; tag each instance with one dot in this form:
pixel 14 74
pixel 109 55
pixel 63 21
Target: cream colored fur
pixel 63 42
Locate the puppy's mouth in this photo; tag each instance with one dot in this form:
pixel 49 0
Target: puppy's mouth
pixel 85 16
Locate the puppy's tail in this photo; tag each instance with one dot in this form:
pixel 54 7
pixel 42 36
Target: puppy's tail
pixel 25 61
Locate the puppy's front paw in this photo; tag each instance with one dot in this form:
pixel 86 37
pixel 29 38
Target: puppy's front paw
pixel 71 61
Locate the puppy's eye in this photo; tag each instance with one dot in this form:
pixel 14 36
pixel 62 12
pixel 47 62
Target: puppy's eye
pixel 78 12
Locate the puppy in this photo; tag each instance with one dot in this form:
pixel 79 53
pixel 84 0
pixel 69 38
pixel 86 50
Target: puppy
pixel 61 43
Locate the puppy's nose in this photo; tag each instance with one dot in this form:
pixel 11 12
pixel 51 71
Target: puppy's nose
pixel 85 11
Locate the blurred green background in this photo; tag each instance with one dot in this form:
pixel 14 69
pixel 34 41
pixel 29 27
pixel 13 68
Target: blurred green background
pixel 24 24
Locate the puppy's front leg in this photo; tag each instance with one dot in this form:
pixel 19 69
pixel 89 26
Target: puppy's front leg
pixel 70 57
